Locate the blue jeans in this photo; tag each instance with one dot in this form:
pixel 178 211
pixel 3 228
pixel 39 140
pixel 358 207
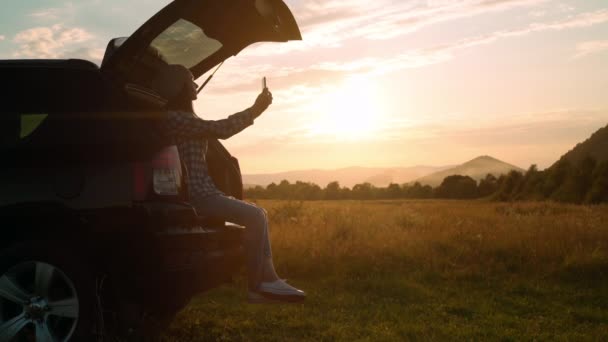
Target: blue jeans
pixel 253 218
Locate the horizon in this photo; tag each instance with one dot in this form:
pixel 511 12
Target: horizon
pixel 391 167
pixel 380 84
pixel 351 176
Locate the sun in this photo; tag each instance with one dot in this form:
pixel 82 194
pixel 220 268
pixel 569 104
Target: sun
pixel 351 112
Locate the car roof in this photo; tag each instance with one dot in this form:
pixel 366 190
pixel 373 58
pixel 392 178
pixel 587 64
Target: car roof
pixel 49 86
pixel 70 64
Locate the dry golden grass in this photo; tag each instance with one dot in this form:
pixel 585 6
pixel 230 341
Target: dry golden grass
pixel 423 270
pixel 445 238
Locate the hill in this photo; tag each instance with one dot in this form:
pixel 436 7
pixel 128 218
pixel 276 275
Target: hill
pixel 596 147
pixel 350 176
pixel 477 169
pixel 572 179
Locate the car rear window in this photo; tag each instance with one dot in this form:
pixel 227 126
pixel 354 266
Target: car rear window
pixel 185 43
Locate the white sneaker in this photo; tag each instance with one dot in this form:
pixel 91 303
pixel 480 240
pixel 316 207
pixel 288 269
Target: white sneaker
pixel 276 291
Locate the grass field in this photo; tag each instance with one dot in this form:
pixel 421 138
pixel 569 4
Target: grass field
pixel 422 270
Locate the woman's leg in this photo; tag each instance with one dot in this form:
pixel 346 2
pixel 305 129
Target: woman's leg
pixel 260 267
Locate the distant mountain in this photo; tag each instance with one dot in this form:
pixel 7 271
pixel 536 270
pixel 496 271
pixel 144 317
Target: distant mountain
pixel 477 169
pixel 350 176
pixel 596 147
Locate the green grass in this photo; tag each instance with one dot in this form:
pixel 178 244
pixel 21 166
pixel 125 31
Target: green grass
pixel 422 271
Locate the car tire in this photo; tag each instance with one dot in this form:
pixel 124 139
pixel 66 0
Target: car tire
pixel 47 293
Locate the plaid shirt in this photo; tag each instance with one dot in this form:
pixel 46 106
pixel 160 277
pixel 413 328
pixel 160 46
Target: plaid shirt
pixel 190 134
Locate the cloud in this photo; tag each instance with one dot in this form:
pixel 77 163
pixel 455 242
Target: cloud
pixel 53 13
pixel 330 23
pixel 242 75
pixel 400 23
pixel 445 52
pixel 50 42
pixel 591 47
pixel 297 87
pixel 586 19
pixel 2 37
pixel 582 20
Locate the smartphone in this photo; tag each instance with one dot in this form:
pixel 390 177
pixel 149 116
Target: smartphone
pixel 264 87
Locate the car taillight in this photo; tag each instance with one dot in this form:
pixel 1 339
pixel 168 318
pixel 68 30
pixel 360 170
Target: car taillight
pixel 167 172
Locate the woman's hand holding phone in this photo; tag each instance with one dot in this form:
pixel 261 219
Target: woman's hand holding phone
pixel 263 101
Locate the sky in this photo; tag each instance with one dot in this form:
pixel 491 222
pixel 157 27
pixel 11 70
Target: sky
pixel 382 83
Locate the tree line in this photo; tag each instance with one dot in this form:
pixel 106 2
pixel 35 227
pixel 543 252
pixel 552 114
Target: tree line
pixel 584 182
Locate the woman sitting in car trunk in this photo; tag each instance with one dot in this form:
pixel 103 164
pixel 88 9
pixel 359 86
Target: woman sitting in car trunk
pixel 190 134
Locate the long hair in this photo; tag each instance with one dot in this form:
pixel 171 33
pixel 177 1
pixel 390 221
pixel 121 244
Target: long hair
pixel 181 101
pixel 172 82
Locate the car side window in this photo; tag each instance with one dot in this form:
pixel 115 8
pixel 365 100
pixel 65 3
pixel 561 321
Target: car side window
pixel 29 123
pixel 16 127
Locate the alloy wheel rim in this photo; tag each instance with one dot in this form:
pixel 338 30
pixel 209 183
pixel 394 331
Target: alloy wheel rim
pixel 37 302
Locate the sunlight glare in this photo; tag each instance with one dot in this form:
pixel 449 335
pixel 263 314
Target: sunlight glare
pixel 351 112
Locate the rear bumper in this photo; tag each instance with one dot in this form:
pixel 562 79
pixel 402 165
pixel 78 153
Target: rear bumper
pixel 198 246
pixel 197 259
pixel 186 240
pixel 177 257
pixel 201 252
pixel 163 216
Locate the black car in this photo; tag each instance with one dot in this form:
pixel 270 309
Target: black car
pixel 97 236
